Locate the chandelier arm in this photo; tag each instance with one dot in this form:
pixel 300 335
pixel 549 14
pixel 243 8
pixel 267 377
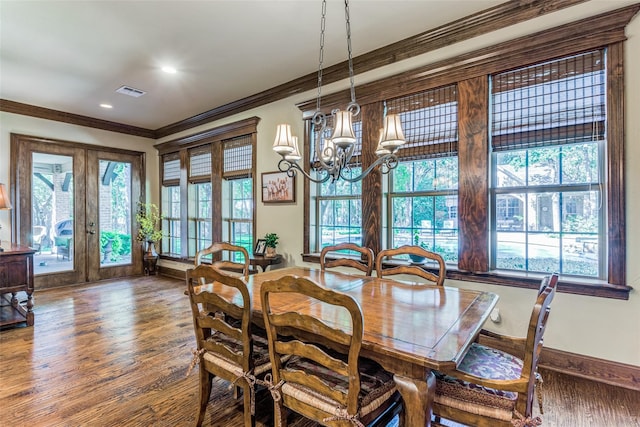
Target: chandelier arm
pixel 348 153
pixel 320 119
pixel 292 169
pixel 388 161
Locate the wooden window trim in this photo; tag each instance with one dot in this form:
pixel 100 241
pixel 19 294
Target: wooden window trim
pixel 604 30
pixel 215 138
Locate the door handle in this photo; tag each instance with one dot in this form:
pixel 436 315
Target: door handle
pixel 91 231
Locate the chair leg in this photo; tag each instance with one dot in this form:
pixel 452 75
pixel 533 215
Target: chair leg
pixel 205 394
pixel 279 414
pixel 249 420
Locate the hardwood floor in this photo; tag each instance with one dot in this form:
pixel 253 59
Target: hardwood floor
pixel 116 353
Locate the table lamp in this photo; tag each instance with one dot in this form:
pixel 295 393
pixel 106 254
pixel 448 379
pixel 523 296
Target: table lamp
pixel 4 204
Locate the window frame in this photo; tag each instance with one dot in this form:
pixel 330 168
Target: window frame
pixel 216 138
pixel 229 220
pixel 316 197
pixel 470 71
pixel 432 194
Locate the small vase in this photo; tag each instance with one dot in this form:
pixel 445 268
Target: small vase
pixel 150 260
pixel 271 252
pixel 151 251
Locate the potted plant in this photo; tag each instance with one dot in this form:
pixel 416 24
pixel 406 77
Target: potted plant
pixel 271 243
pixel 149 230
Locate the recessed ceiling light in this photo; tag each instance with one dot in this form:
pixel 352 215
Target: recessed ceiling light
pixel 106 106
pixel 169 70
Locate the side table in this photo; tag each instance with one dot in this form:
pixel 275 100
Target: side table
pixel 16 275
pixel 150 263
pixel 264 262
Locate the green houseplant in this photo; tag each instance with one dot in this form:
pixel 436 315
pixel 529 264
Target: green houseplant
pixel 149 227
pixel 271 243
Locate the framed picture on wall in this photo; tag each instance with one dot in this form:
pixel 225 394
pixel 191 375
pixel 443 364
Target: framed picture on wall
pixel 261 247
pixel 278 187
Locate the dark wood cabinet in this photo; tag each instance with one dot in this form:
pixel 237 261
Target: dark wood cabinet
pixel 16 275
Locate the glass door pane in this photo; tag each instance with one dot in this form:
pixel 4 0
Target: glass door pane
pixel 52 203
pixel 114 195
pixel 113 191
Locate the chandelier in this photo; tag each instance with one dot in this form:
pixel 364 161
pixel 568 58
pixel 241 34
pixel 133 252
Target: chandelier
pixel 333 155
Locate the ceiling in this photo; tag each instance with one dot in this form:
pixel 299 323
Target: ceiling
pixel 71 56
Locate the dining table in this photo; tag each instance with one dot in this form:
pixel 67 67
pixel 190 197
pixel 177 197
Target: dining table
pixel 410 328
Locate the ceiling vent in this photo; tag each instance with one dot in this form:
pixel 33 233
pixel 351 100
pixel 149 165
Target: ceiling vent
pixel 131 91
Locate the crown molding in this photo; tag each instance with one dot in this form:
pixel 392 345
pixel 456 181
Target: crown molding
pixel 74 119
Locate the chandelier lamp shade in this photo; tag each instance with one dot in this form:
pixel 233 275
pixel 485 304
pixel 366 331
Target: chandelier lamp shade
pixel 333 155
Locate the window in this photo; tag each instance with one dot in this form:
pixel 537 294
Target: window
pixel 237 193
pixel 423 197
pixel 539 146
pixel 238 212
pixel 208 189
pixel 171 204
pixel 338 206
pixel 199 199
pixel 547 139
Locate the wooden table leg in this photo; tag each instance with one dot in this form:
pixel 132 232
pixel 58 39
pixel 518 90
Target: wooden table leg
pixel 30 319
pixel 418 398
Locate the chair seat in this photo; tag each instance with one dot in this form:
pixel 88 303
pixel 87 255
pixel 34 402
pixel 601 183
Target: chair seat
pixel 376 385
pixel 488 363
pixel 261 360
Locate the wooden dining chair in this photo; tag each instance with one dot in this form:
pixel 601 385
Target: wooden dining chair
pixel 218 250
pixel 364 263
pixel 226 346
pixel 412 269
pixel 491 387
pixel 325 380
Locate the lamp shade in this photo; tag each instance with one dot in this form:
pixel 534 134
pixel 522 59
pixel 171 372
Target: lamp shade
pixel 293 156
pixel 283 143
pixel 4 198
pixel 392 135
pixel 343 135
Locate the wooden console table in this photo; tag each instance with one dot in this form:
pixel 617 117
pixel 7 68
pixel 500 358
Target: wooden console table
pixel 264 262
pixel 16 275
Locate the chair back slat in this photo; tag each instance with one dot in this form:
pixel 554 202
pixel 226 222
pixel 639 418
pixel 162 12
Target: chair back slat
pixel 217 303
pixel 311 352
pixel 364 264
pixel 312 325
pixel 415 270
pixel 320 348
pixel 216 250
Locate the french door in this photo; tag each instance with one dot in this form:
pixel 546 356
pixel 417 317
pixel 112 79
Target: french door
pixel 76 206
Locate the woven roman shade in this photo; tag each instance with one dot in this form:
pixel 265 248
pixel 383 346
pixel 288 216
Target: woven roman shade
pixel 430 123
pixel 237 156
pixel 556 102
pixel 200 163
pixel 171 169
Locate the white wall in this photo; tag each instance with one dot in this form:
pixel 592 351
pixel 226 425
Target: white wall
pixel 597 327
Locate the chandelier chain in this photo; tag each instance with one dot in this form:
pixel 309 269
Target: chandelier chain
pixel 321 54
pixel 348 24
pixel 333 153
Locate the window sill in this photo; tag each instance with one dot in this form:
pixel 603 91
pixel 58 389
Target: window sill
pixel 177 258
pixel 577 286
